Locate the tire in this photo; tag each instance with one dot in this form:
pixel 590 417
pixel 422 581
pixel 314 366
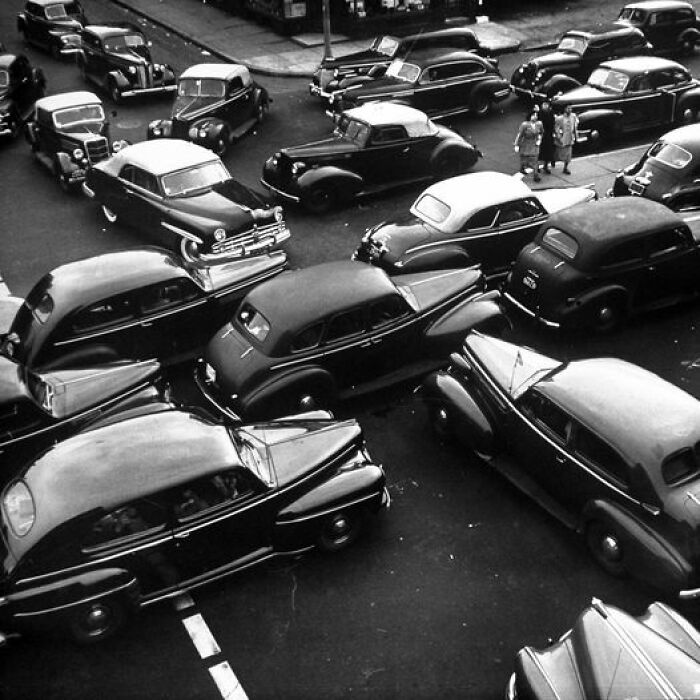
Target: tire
pixel 96 621
pixel 340 530
pixel 689 115
pixel 604 544
pixel 481 104
pixel 222 142
pixel 261 111
pixel 320 199
pixel 115 92
pixel 188 250
pixel 109 214
pixel 606 315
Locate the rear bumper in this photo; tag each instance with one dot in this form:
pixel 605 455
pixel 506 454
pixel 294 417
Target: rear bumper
pixel 528 312
pixel 147 91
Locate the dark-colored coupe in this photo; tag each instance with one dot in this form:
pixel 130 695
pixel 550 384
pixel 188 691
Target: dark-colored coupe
pixel 182 195
pixel 606 447
pixel 373 148
pixel 118 59
pixel 595 264
pixel 668 172
pixel 134 511
pixel 481 218
pixel 670 25
pixel 340 328
pixel 216 104
pixel 133 304
pixel 438 83
pixel 53 25
pixel 610 654
pixel 20 86
pixel 578 54
pixel 632 94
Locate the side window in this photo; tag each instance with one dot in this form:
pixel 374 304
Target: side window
pixel 307 339
pixel 641 84
pixel 235 85
pixel 627 253
pixel 518 211
pixel 387 311
pixel 209 492
pixel 388 134
pixel 667 242
pixel 104 313
pixel 133 519
pixel 547 415
pixel 166 295
pixel 345 325
pixel 486 218
pixel 140 178
pixel 456 70
pixel 599 454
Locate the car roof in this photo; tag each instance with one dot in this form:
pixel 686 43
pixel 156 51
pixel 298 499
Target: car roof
pixel 388 113
pixel 637 411
pixel 652 5
pixel 7 59
pixel 686 136
pixel 438 55
pixel 123 461
pixel 107 30
pixel 44 3
pixel 221 71
pixel 159 156
pixel 608 29
pixel 67 99
pixel 642 64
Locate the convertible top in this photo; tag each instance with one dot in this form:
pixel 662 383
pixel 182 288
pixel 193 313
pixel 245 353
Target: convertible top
pixel 68 99
pixel 217 71
pixel 376 114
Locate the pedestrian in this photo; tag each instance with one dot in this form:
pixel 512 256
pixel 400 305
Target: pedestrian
pixel 527 145
pixel 565 126
pixel 547 150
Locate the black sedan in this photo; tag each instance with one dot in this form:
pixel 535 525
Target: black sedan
pixel 632 94
pixel 332 330
pixel 373 148
pixel 182 195
pixel 132 512
pixel 669 172
pixel 611 654
pixel 133 304
pixel 53 25
pixel 20 87
pixel 607 447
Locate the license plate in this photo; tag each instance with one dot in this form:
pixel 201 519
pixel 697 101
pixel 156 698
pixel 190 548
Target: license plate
pixel 530 282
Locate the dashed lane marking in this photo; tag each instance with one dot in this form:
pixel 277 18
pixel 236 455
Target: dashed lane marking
pixel 227 683
pixel 201 636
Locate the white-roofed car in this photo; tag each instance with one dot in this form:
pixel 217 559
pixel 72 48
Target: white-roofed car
pixel 373 148
pixel 216 104
pixel 479 218
pixel 182 195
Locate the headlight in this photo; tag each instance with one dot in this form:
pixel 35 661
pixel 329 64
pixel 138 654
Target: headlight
pixel 336 73
pixel 210 373
pixel 132 70
pixel 298 167
pixel 19 508
pixel 78 154
pixel 192 133
pixel 220 234
pixel 278 213
pixel 202 133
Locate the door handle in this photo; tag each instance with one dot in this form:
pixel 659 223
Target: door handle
pixel 560 459
pixel 146 324
pixel 405 150
pixel 377 341
pixel 182 535
pixel 366 344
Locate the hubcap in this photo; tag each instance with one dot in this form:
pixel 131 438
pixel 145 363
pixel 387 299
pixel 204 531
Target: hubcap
pixel 610 548
pixel 605 314
pixel 306 402
pixel 97 620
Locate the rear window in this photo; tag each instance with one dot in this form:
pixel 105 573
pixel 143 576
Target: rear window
pixel 560 242
pixel 671 155
pixel 681 466
pixel 432 208
pixel 254 322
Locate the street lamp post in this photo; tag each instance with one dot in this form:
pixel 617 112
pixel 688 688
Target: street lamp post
pixel 327 51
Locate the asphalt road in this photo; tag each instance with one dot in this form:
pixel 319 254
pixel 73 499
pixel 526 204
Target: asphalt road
pixel 460 573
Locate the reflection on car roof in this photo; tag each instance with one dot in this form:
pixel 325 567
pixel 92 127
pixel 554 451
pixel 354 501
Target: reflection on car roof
pixel 641 64
pixel 652 5
pixel 68 99
pixel 416 122
pixel 220 71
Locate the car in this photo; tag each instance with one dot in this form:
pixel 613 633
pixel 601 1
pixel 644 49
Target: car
pixel 669 25
pixel 371 63
pixel 438 83
pixel 133 511
pixel 341 328
pixel 480 218
pixel 594 265
pixel 53 25
pixel 216 104
pixel 68 133
pixel 373 148
pixel 577 55
pixel 182 196
pixel 20 86
pixel 632 94
pixel 117 59
pixel 659 649
pixel 668 171
pixel 137 304
pixel 606 447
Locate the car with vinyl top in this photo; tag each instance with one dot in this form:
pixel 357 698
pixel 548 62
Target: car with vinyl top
pixel 667 172
pixel 20 87
pixel 658 649
pixel 181 196
pixel 482 218
pixel 632 94
pixel 373 148
pixel 215 105
pixel 594 265
pixel 439 83
pixel 669 25
pixel 606 447
pixel 69 132
pixel 139 508
pixel 136 304
pixel 117 58
pixel 577 55
pixel 342 328
pixel 53 25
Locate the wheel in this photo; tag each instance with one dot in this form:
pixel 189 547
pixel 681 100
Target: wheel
pixel 689 115
pixel 451 164
pixel 109 214
pixel 261 111
pixel 441 420
pixel 340 530
pixel 320 199
pixel 606 315
pixel 98 620
pixel 687 47
pixel 604 544
pixel 115 93
pixel 481 104
pixel 189 250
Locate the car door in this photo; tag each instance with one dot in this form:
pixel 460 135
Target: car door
pixel 464 78
pixel 643 104
pixel 429 89
pixel 139 199
pixel 91 52
pixel 238 105
pixel 391 156
pixel 479 236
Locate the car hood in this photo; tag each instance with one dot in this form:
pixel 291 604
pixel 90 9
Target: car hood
pixel 558 198
pixel 316 150
pixel 555 58
pixel 610 654
pixel 12 388
pixel 397 237
pixel 66 25
pixel 136 55
pixel 186 108
pixel 228 203
pixel 84 132
pixel 585 93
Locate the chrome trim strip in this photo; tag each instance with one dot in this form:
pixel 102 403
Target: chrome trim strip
pixel 689 594
pixel 531 314
pixel 281 193
pixel 323 513
pixel 143 91
pixel 181 232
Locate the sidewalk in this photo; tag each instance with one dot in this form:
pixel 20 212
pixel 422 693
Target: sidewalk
pixel 238 40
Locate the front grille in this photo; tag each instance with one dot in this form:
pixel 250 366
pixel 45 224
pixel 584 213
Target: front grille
pixel 141 80
pixel 259 237
pixel 97 149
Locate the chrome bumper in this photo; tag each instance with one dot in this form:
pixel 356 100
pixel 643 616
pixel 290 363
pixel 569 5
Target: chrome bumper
pixel 689 594
pixel 87 191
pixel 281 193
pixel 522 92
pixel 318 91
pixel 146 91
pixel 528 312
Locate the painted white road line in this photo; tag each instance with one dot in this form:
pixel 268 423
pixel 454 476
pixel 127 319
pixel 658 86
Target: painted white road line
pixel 226 682
pixel 183 601
pixel 201 636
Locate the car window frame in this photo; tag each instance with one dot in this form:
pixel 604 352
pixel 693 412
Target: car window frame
pixel 525 404
pixel 71 332
pixel 524 200
pixel 339 340
pixel 182 302
pixel 601 470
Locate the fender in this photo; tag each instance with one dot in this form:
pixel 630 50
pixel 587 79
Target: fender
pixel 350 182
pixel 145 402
pixel 561 82
pixel 446 257
pixel 21 22
pixel 592 295
pixel 691 35
pixel 689 98
pixel 648 555
pixel 95 354
pixel 354 80
pixel 65 162
pixel 9 306
pixel 30 133
pixel 497 88
pixel 212 127
pixel 159 129
pixel 594 117
pixel 260 95
pixel 454 145
pixel 119 78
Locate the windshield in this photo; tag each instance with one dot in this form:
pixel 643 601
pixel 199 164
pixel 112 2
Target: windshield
pixel 124 43
pixel 670 154
pixel 608 80
pixel 387 45
pixel 201 87
pixel 430 207
pixel 4 78
pixel 631 15
pixel 572 44
pixel 62 11
pixel 195 179
pixel 356 131
pixel 403 71
pixel 71 116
